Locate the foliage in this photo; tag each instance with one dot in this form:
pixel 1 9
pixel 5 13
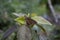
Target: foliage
pixel 33 8
pixel 40 20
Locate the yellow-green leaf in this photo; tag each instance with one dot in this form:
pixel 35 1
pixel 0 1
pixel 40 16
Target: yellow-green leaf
pixel 41 20
pixel 44 24
pixel 20 20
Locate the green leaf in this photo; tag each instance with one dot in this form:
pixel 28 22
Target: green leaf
pixel 38 28
pixel 40 20
pixel 20 20
pixel 48 28
pixel 43 23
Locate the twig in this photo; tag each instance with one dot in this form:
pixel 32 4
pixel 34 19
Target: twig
pixel 52 10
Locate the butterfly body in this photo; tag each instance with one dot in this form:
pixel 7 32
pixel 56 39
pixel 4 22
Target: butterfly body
pixel 30 21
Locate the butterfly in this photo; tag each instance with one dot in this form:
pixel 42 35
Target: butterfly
pixel 30 21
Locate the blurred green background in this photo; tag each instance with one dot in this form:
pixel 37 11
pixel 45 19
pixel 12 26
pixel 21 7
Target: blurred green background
pixel 8 7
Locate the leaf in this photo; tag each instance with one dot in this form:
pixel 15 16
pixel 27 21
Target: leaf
pixel 43 24
pixel 38 28
pixel 40 20
pixel 19 14
pixel 42 28
pixel 35 27
pixel 20 20
pixel 48 28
